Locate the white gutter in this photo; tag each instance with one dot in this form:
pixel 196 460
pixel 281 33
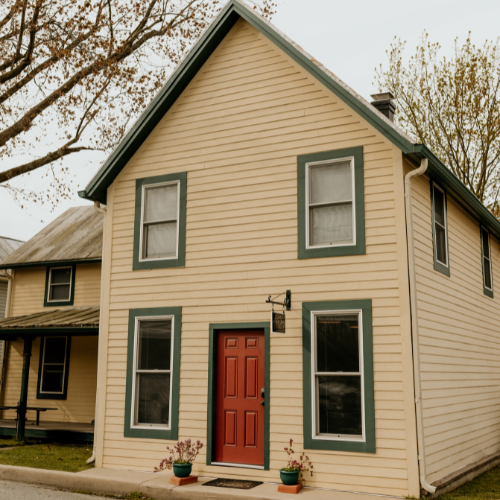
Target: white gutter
pixel 101 210
pixel 414 325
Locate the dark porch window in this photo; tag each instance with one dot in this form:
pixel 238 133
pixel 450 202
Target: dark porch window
pixel 53 370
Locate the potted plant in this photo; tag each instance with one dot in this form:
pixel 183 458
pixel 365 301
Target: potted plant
pixel 181 458
pixel 293 472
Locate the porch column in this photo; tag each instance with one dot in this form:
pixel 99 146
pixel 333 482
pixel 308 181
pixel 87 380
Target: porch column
pixel 23 400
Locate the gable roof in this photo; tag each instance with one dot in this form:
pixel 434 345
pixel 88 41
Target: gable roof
pixel 75 236
pixel 198 55
pixel 7 246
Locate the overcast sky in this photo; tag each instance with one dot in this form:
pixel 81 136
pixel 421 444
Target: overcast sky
pixel 349 38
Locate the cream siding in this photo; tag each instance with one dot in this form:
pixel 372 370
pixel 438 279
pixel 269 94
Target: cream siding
pixel 27 298
pixel 237 130
pixel 82 379
pixel 29 288
pixel 459 341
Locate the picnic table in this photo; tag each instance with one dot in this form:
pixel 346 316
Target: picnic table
pixel 38 409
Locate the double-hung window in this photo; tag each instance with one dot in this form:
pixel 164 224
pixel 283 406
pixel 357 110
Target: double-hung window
pixel 440 230
pixel 331 203
pixel 152 381
pixel 60 286
pixel 338 379
pixel 160 222
pixel 53 368
pixel 331 219
pixel 486 258
pixel 338 376
pixel 153 357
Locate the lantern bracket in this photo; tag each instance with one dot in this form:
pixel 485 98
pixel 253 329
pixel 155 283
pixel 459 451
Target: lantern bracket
pixel 287 304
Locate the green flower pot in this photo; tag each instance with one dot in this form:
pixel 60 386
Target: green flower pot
pixel 182 470
pixel 289 478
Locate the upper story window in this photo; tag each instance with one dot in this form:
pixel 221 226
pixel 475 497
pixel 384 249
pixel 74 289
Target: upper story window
pixel 440 230
pixel 160 217
pixel 486 258
pixel 331 203
pixel 60 286
pixel 330 196
pixel 160 222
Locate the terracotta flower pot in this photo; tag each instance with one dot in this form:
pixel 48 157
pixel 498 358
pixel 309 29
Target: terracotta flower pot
pixel 182 470
pixel 289 478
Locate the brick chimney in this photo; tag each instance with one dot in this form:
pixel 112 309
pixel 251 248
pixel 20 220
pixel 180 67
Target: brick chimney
pixel 384 102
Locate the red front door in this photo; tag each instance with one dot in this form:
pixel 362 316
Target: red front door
pixel 239 428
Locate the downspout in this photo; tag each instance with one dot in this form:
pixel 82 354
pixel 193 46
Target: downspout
pixel 414 325
pixel 101 210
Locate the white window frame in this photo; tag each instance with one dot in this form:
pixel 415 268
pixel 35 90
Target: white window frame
pixel 141 238
pixel 445 212
pixel 308 205
pixel 59 284
pixel 134 403
pixel 44 363
pixel 488 257
pixel 314 389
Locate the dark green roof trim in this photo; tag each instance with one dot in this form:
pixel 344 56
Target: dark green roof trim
pixel 51 263
pixel 96 190
pixel 456 189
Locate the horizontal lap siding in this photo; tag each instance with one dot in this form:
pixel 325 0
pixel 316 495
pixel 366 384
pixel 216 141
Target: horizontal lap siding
pixel 237 130
pixel 82 380
pixel 29 289
pixel 459 341
pixel 27 298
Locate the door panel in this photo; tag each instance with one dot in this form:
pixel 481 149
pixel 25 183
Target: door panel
pixel 239 428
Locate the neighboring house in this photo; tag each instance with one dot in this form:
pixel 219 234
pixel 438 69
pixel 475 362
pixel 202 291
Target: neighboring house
pixel 7 246
pixel 256 171
pixel 53 323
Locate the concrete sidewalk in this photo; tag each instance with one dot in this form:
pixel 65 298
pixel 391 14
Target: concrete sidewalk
pixel 120 482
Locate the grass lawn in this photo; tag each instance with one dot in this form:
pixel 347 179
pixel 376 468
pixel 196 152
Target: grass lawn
pixel 55 456
pixel 484 487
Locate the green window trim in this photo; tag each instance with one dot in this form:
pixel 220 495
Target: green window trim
pixel 154 433
pixel 62 303
pixel 359 248
pixel 212 381
pixel 180 261
pixel 367 446
pixel 64 395
pixel 488 292
pixel 439 266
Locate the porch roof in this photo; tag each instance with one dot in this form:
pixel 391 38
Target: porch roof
pixel 70 320
pixel 74 237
